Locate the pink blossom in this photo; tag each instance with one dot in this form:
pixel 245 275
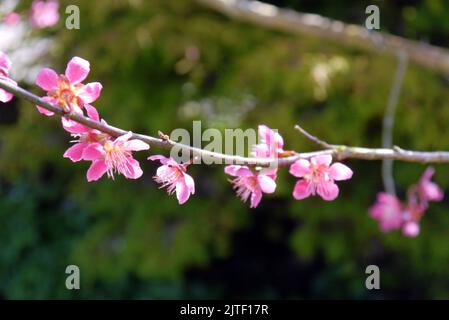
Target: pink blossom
pixel 318 176
pixel 388 211
pixel 174 176
pixel 251 184
pixel 271 143
pixel 44 13
pixel 11 18
pixel 392 214
pixel 114 157
pixel 67 90
pixel 428 190
pixel 85 136
pixel 5 65
pixel 411 229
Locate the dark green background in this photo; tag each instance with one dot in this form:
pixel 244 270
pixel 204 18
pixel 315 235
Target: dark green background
pixel 131 240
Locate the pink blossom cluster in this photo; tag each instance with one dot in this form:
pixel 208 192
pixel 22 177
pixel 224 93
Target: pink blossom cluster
pixel 317 175
pixel 107 154
pixel 392 214
pixel 42 14
pixel 110 155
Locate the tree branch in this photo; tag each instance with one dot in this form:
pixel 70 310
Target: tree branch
pixel 339 152
pixel 290 21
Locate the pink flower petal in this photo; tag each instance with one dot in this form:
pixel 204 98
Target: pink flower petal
pixel 75 152
pixel 93 152
pixel 163 171
pixel 328 190
pixel 428 174
pixel 47 79
pixel 90 92
pixel 256 196
pixel 77 70
pixel 124 137
pixel 236 170
pixel 323 160
pixel 5 96
pixel 134 171
pixel 270 137
pixel 266 183
pixel 182 192
pixel 300 168
pixel 12 18
pixel 388 211
pixel 261 150
pixel 411 229
pixel 97 169
pixel 429 190
pixel 73 126
pixel 92 112
pixel 5 62
pixel 161 158
pixel 434 192
pixel 271 172
pixel 137 145
pixel 44 111
pixel 339 171
pixel 189 183
pixel 44 13
pixel 303 189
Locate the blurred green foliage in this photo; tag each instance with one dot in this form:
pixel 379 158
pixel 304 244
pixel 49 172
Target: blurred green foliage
pixel 165 63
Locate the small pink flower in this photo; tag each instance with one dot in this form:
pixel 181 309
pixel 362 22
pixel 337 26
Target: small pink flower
pixel 86 136
pixel 44 13
pixel 428 190
pixel 271 143
pixel 388 211
pixel 114 157
pixel 174 176
pixel 392 214
pixel 410 229
pixel 11 18
pixel 250 184
pixel 318 177
pixel 67 90
pixel 5 65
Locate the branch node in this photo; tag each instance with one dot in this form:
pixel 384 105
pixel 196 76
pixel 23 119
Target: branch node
pixel 398 149
pixel 163 136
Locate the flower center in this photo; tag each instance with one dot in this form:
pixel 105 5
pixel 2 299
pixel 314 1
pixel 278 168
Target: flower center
pixel 66 94
pixel 116 158
pixel 244 186
pixel 318 174
pixel 169 178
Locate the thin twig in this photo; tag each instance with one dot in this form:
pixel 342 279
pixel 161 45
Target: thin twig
pixel 314 139
pixel 339 152
pixel 388 121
